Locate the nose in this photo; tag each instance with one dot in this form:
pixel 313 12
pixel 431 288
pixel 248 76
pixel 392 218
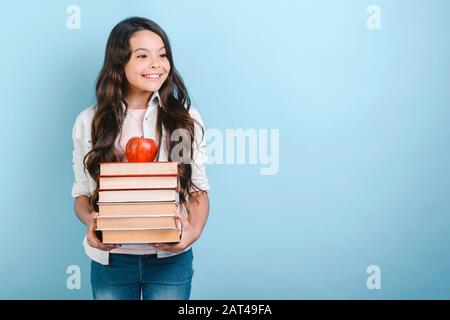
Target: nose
pixel 154 62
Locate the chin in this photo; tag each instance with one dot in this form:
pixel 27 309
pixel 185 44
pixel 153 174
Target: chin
pixel 152 88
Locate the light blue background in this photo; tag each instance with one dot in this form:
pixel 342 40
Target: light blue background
pixel 364 143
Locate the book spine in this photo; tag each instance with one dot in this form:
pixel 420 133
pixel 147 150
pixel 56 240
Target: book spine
pixel 136 203
pixel 139 175
pixel 105 216
pixel 131 189
pixel 136 162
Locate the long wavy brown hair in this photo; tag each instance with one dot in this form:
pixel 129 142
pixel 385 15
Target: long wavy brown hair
pixel 111 87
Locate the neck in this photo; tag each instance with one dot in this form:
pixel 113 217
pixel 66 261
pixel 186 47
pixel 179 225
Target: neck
pixel 137 99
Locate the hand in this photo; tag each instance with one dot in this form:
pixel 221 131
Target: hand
pixel 188 236
pixel 92 235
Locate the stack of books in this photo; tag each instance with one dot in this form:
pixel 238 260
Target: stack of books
pixel 138 202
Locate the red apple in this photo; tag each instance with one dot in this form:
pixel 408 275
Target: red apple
pixel 140 149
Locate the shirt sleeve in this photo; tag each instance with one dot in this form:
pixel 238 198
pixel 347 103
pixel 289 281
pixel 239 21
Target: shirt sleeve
pixel 81 183
pixel 199 156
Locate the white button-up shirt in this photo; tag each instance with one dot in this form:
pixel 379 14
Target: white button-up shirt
pixel 82 144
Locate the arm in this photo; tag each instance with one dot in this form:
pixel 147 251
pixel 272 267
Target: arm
pixel 80 189
pixel 199 213
pixel 83 209
pixel 193 225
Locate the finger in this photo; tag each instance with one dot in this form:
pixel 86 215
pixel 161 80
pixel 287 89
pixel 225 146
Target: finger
pixel 166 246
pixel 94 242
pixel 105 246
pixel 93 225
pixel 108 247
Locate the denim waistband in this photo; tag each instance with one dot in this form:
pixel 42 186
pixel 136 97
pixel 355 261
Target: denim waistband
pixel 136 258
pixel 140 256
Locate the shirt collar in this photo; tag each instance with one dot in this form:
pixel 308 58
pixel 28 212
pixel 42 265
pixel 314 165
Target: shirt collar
pixel 155 101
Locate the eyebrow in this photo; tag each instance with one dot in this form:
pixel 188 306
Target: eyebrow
pixel 146 49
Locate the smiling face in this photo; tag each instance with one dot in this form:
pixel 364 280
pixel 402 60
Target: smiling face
pixel 148 66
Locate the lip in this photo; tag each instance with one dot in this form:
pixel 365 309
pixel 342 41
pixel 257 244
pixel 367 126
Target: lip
pixel 152 74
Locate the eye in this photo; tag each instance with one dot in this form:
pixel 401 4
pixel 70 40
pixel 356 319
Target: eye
pixel 163 55
pixel 142 56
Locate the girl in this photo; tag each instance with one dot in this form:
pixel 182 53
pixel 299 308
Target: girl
pixel 139 93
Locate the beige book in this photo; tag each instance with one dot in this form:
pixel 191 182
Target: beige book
pixel 138 208
pixel 143 222
pixel 142 236
pixel 138 195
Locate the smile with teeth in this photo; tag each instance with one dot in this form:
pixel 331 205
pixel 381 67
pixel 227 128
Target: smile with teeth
pixel 152 76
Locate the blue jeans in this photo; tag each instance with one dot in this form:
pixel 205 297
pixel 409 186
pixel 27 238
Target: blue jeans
pixel 130 277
